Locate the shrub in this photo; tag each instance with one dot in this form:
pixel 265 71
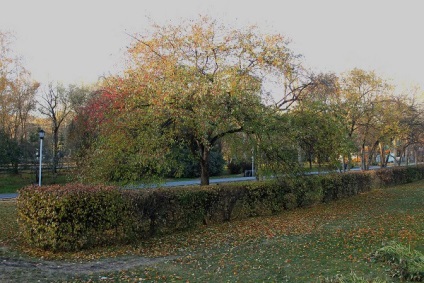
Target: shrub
pixel 407 264
pixel 351 278
pixel 290 201
pixel 308 190
pixel 74 217
pixel 71 217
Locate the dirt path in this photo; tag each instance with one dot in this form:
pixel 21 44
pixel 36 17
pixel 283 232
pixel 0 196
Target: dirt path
pixel 15 269
pixel 103 265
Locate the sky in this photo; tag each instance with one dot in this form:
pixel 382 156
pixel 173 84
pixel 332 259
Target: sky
pixel 81 40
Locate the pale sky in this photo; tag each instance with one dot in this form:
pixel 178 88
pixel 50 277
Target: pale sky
pixel 79 41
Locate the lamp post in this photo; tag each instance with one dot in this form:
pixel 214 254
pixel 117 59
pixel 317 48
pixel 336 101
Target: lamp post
pixel 41 135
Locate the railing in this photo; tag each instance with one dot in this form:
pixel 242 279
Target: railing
pixel 29 168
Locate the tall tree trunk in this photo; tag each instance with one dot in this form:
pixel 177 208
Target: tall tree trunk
pixel 371 153
pixel 349 161
pixel 415 156
pixel 363 158
pixel 407 156
pixel 299 155
pixel 204 165
pixel 383 162
pixel 310 161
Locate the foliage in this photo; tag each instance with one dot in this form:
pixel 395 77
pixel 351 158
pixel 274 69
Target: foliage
pixel 407 264
pixel 192 84
pixel 188 167
pixel 368 109
pixel 351 278
pixel 398 175
pixel 9 149
pixel 71 217
pixel 11 183
pixel 304 245
pixel 17 101
pixel 318 128
pixel 89 107
pixel 276 151
pixel 76 217
pixel 56 106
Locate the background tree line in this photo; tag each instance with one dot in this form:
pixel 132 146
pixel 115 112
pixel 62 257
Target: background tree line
pixel 199 95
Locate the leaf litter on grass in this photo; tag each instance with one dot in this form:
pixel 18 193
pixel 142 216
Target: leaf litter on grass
pixel 303 244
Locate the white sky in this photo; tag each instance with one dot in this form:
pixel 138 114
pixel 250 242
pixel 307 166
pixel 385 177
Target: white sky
pixel 77 41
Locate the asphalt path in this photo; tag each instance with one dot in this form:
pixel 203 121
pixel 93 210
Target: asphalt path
pixel 193 182
pixel 166 184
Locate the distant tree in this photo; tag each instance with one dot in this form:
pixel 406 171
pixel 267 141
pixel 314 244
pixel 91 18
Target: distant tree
pixel 56 106
pixel 81 129
pixel 410 125
pixel 363 96
pixel 17 98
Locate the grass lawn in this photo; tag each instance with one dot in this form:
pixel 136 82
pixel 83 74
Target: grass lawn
pixel 303 245
pixel 11 183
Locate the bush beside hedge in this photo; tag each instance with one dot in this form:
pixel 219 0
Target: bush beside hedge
pixel 74 217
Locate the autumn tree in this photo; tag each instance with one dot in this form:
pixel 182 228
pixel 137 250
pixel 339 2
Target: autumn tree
pixel 17 99
pixel 410 122
pixel 56 106
pixel 81 129
pixel 194 84
pixel 317 126
pixel 364 94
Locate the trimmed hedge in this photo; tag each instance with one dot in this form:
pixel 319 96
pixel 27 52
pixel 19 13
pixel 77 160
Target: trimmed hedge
pixel 72 217
pixel 75 217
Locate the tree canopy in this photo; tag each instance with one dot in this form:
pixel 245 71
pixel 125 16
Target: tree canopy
pixel 191 84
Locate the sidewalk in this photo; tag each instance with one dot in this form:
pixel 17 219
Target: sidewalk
pixel 192 182
pixel 8 196
pixel 167 184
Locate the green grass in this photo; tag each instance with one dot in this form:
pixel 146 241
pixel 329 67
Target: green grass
pixel 324 243
pixel 11 183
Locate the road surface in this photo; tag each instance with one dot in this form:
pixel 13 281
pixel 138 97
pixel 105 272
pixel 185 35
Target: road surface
pixel 194 182
pixel 167 184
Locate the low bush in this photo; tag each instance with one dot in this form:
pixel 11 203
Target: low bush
pixel 407 264
pixel 351 278
pixel 71 217
pixel 74 217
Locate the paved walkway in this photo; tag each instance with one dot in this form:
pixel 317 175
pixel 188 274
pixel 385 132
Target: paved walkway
pixel 191 182
pixel 8 196
pixel 167 184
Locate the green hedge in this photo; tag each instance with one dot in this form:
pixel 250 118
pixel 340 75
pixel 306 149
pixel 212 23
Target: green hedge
pixel 74 217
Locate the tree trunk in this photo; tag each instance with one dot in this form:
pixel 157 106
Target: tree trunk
pixel 415 156
pixel 204 165
pixel 407 156
pixel 363 158
pixel 349 161
pixel 383 160
pixel 299 155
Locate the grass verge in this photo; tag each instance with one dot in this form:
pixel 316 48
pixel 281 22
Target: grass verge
pixel 315 244
pixel 11 183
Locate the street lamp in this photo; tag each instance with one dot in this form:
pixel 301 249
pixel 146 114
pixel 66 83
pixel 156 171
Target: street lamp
pixel 41 135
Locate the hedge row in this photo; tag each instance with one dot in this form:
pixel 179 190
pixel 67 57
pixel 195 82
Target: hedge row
pixel 75 217
pixel 72 217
